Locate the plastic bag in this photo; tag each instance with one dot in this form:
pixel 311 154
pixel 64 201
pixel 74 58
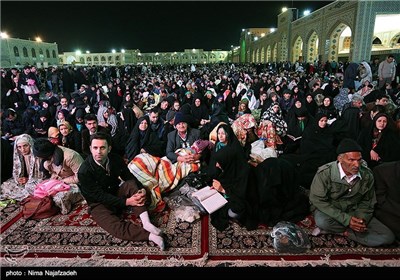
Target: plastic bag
pixel 187 213
pixel 194 179
pixel 176 200
pixel 290 238
pixel 183 197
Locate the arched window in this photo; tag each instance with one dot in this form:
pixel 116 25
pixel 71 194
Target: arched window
pixel 40 52
pixel 16 51
pixel 54 54
pixel 25 52
pixel 89 59
pixel 33 52
pixel 47 54
pixel 117 58
pixel 81 60
pixel 377 41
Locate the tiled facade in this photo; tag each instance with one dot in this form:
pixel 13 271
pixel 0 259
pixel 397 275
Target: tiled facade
pixel 318 35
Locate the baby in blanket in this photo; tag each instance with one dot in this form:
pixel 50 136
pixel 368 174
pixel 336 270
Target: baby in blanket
pixel 197 148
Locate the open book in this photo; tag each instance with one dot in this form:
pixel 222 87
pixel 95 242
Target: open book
pixel 211 199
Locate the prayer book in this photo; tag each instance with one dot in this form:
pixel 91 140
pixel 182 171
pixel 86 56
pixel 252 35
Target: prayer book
pixel 210 198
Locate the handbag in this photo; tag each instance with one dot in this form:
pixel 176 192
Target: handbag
pixel 38 208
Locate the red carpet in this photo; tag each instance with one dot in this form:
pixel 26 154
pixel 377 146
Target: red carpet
pixel 76 240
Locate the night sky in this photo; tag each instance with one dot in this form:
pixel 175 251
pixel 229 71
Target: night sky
pixel 100 26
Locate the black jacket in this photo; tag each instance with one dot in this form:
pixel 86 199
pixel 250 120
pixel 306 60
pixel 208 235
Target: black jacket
pixel 99 187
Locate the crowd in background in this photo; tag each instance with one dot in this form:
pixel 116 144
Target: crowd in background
pixel 283 116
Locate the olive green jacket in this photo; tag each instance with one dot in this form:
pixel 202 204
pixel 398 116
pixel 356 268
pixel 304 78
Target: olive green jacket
pixel 340 200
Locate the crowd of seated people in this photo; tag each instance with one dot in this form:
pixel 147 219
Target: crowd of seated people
pixel 150 113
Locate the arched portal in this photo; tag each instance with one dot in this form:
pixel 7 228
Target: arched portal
pixel 297 53
pixel 262 59
pixel 340 41
pixel 395 41
pixel 275 53
pixel 269 55
pixel 312 48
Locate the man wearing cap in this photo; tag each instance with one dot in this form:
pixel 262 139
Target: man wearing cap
pixel 182 137
pixel 343 195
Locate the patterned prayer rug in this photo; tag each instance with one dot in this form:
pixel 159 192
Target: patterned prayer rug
pixel 77 235
pixel 237 242
pixel 74 240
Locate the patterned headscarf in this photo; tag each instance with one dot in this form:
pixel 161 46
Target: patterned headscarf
pixel 23 138
pixel 33 172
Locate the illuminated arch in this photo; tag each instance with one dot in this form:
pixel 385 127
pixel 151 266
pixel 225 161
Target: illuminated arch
pixel 262 58
pixel 395 40
pixel 257 55
pixel 275 53
pixel 312 47
pixel 70 59
pixel 297 49
pixel 339 40
pixel 269 55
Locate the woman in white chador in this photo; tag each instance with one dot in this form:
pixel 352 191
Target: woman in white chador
pixel 26 173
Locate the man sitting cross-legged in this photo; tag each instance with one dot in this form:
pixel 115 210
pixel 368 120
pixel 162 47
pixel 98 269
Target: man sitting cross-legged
pixel 100 183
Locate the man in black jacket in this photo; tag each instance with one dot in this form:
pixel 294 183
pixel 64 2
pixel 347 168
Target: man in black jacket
pixel 92 127
pixel 100 183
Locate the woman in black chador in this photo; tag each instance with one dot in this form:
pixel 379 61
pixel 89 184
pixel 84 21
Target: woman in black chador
pixel 229 173
pixel 380 143
pixel 143 140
